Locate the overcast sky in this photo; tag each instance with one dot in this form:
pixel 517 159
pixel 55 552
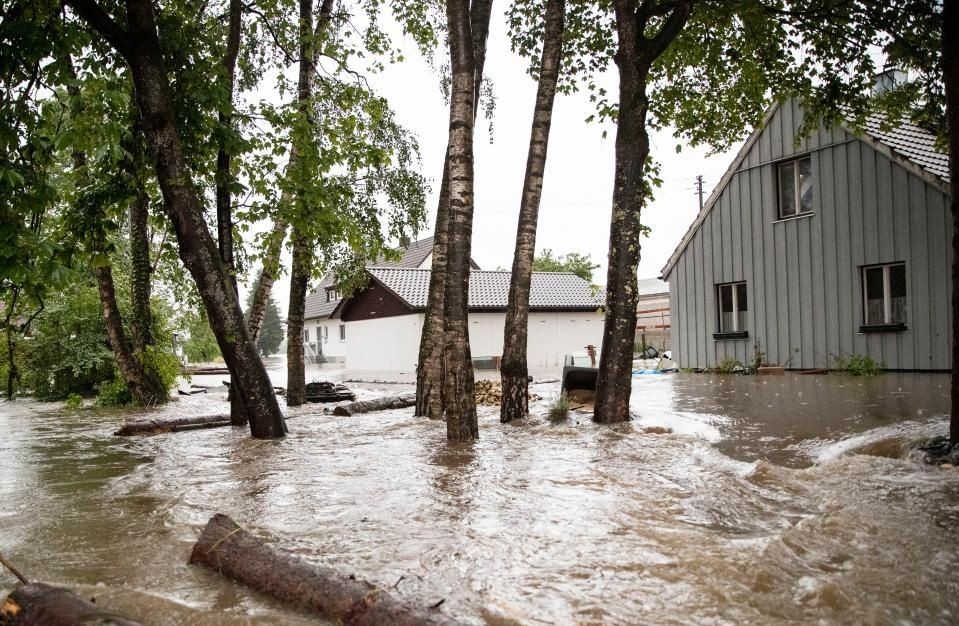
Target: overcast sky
pixel 577 190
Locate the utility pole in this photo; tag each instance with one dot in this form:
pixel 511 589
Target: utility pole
pixel 699 191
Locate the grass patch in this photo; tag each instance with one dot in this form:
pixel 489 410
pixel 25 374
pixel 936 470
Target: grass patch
pixel 559 409
pixel 857 365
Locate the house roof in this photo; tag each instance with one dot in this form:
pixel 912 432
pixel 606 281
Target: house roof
pixel 909 145
pixel 412 256
pixel 489 290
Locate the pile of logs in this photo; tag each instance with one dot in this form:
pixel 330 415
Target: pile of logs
pixel 490 393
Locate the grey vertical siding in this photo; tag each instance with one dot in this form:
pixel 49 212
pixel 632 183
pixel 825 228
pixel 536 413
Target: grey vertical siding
pixel 804 275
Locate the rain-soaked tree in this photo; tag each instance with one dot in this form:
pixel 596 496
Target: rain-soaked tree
pixel 514 370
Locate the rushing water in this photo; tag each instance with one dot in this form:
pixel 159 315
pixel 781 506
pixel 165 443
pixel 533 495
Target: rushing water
pixel 773 500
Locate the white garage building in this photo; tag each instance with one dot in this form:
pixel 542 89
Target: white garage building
pixel 380 326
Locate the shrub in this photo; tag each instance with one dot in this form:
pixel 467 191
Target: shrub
pixel 74 401
pixel 857 365
pixel 729 365
pixel 114 392
pixel 201 347
pixel 559 409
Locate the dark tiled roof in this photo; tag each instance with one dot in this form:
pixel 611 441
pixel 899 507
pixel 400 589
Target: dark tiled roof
pixel 413 255
pixel 911 142
pixel 489 290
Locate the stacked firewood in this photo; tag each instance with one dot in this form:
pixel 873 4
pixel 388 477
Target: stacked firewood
pixel 490 393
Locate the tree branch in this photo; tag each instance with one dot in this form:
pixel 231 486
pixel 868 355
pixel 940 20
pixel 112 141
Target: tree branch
pixel 94 15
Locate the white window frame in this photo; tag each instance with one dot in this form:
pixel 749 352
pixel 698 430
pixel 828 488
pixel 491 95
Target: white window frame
pixel 326 334
pixel 886 294
pixel 342 333
pixel 332 295
pixel 797 189
pixel 719 307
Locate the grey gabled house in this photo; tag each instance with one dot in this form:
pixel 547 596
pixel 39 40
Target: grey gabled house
pixel 834 246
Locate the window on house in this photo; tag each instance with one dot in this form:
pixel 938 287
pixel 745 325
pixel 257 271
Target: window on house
pixel 795 187
pixel 884 294
pixel 306 335
pixel 733 305
pixel 342 332
pixel 326 334
pixel 332 295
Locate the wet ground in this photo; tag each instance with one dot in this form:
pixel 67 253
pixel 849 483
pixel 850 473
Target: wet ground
pixel 773 500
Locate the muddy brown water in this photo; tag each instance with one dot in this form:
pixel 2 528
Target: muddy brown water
pixel 774 500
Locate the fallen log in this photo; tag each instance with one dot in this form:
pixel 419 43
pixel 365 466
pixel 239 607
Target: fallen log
pixel 155 427
pixel 228 549
pixel 37 604
pixel 377 404
pixel 201 371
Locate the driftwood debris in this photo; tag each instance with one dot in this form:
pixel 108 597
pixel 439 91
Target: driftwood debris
pixel 201 371
pixel 37 604
pixel 322 391
pixel 226 548
pixel 377 404
pixel 155 427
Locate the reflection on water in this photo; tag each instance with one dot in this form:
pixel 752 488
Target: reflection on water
pixel 773 500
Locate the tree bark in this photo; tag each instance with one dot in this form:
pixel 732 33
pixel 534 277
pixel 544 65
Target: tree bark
pixel 268 273
pixel 145 387
pixel 37 604
pixel 458 397
pixel 299 281
pixel 378 404
pixel 950 71
pixel 429 372
pixel 141 322
pixel 140 47
pixel 229 550
pixel 635 55
pixel 514 369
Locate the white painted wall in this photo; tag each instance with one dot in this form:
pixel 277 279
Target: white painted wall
pixel 327 332
pixel 392 343
pixel 384 344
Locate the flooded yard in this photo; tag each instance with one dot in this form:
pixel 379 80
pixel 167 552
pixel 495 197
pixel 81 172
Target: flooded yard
pixel 772 500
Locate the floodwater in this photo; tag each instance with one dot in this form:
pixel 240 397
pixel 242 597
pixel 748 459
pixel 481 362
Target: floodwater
pixel 773 500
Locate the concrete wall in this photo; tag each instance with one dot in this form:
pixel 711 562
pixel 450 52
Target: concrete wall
pixel 804 274
pixel 393 343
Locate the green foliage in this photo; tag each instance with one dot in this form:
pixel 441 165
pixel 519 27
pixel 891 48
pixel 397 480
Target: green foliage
pixel 559 409
pixel 579 264
pixel 74 401
pixel 160 360
pixel 857 365
pixel 729 365
pixel 201 346
pixel 272 334
pixel 759 357
pixel 113 392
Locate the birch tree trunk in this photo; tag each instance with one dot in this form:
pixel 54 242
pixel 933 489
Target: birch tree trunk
pixel 514 369
pixel 299 279
pixel 140 47
pixel 636 53
pixel 429 370
pixel 458 400
pixel 950 71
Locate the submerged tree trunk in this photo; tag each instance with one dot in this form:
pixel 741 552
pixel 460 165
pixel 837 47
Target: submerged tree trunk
pixel 635 55
pixel 147 389
pixel 950 70
pixel 429 371
pixel 459 402
pixel 514 370
pixel 37 604
pixel 299 280
pixel 233 552
pixel 140 47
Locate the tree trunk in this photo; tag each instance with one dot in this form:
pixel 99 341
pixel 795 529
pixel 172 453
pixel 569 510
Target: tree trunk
pixel 429 370
pixel 155 427
pixel 950 71
pixel 268 273
pixel 513 369
pixel 458 398
pixel 378 404
pixel 140 47
pixel 635 55
pixel 37 604
pixel 299 280
pixel 145 387
pixel 141 323
pixel 229 550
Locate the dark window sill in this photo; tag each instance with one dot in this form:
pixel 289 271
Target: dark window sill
pixel 740 335
pixel 798 216
pixel 883 328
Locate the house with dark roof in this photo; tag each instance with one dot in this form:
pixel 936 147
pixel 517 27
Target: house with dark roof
pixel 812 248
pixel 324 334
pixel 383 322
